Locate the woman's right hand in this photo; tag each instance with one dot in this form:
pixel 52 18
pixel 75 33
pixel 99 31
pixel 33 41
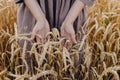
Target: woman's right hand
pixel 41 27
pixel 40 31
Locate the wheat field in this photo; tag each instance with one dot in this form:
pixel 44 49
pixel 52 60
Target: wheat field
pixel 98 53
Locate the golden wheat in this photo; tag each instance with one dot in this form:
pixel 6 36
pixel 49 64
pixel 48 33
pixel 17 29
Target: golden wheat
pixel 98 52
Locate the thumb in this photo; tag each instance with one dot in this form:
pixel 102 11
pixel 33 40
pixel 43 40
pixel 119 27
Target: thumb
pixel 73 38
pixel 33 35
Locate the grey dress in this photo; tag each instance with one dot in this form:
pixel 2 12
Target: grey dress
pixel 55 11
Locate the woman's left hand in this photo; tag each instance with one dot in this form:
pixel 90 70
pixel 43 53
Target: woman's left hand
pixel 67 31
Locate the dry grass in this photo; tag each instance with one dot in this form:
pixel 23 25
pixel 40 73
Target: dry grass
pixel 99 50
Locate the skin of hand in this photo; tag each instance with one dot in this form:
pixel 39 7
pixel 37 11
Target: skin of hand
pixel 40 31
pixel 41 27
pixel 67 30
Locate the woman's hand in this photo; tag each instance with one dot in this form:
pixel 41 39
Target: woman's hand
pixel 67 29
pixel 42 27
pixel 40 30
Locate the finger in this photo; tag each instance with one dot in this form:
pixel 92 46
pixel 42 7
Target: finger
pixel 38 40
pixel 62 33
pixel 33 35
pixel 67 37
pixel 73 38
pixel 38 36
pixel 47 38
pixel 41 34
pixel 68 44
pixel 44 38
pixel 62 42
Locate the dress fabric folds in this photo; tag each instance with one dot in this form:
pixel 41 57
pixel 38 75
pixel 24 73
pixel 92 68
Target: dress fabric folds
pixel 54 10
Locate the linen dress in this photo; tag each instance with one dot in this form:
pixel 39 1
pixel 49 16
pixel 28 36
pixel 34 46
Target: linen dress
pixel 55 12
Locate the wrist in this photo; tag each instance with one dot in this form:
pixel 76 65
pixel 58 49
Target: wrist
pixel 69 19
pixel 43 22
pixel 41 18
pixel 68 22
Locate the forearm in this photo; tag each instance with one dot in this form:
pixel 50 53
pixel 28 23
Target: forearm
pixel 35 9
pixel 74 12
